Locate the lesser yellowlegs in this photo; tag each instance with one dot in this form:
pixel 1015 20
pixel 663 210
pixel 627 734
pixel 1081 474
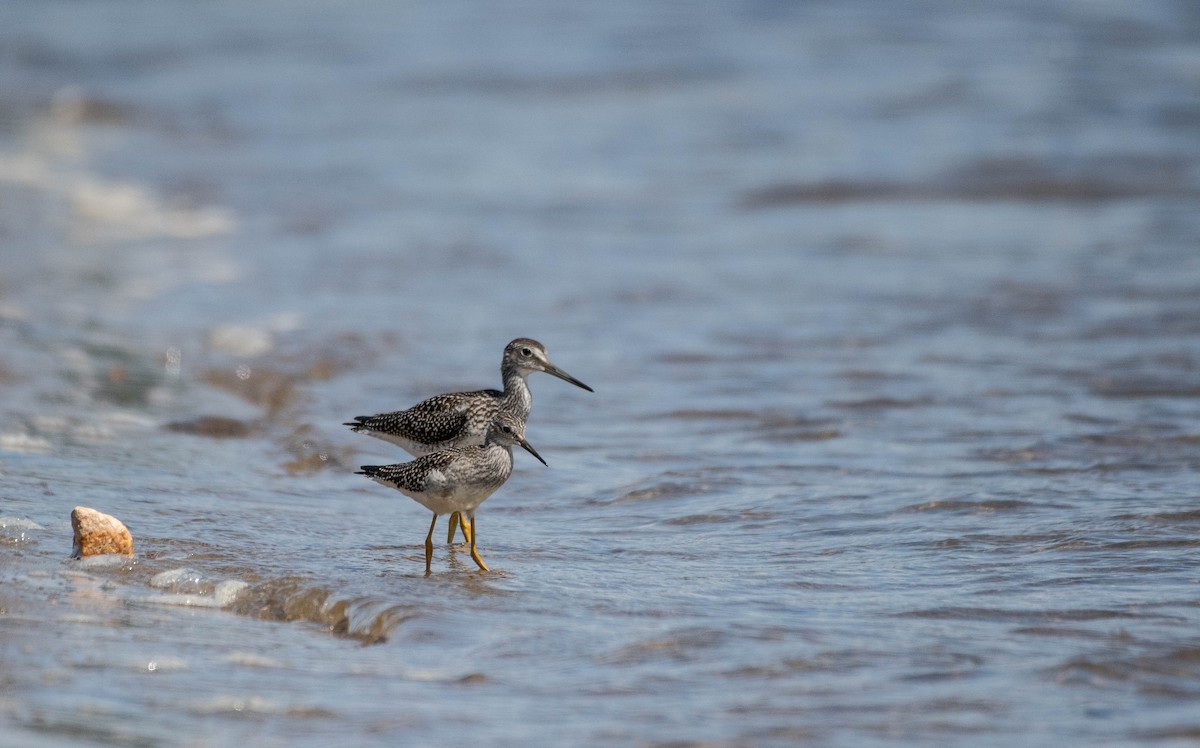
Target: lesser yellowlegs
pixel 460 419
pixel 458 479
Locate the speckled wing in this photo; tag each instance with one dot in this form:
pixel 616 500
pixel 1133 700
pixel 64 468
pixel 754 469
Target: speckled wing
pixel 438 420
pixel 410 476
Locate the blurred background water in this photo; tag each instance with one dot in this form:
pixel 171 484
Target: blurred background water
pixel 892 311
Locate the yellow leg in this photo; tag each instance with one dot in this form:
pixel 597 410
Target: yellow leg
pixel 453 527
pixel 429 545
pixel 467 530
pixel 474 553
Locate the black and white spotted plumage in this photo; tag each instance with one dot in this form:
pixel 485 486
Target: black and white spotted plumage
pixel 458 479
pixel 461 419
pixel 413 477
pixel 441 422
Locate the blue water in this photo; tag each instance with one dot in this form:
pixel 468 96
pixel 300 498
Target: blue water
pixel 892 313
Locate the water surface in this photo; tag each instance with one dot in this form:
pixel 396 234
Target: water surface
pixel 893 317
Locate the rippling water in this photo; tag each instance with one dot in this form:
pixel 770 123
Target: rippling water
pixel 892 313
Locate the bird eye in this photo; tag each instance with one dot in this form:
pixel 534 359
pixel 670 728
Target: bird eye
pixel 526 352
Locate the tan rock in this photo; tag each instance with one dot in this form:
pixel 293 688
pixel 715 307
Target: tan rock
pixel 97 534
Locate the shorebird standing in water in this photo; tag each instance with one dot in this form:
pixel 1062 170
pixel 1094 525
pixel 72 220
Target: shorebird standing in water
pixel 458 479
pixel 461 419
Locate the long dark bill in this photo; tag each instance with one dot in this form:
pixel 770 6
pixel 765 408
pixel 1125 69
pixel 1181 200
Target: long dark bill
pixel 533 452
pixel 552 369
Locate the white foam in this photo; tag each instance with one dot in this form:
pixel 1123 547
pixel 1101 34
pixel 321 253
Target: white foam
pixel 105 427
pixel 123 211
pixel 222 595
pixel 120 419
pixel 251 659
pixel 107 209
pixel 93 433
pixel 241 341
pixel 174 577
pixel 226 592
pixel 104 561
pixel 22 442
pixel 239 704
pixel 182 600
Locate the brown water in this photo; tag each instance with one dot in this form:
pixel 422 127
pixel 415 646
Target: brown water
pixel 892 313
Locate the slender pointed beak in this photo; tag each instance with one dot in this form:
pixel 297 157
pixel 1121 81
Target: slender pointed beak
pixel 550 368
pixel 533 452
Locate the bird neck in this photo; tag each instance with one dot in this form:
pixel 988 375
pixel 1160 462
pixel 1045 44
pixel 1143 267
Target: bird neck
pixel 517 397
pixel 497 452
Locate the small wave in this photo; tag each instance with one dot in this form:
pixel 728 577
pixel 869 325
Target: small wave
pixel 686 645
pixel 671 489
pixel 1001 614
pixel 256 705
pixel 1169 517
pixel 222 595
pixel 695 414
pixel 367 619
pixel 214 427
pixel 882 403
pixel 1073 633
pixel 253 659
pixel 1149 390
pixel 780 427
pixel 17 530
pixel 1022 179
pixel 1165 671
pixel 986 506
pixel 177 579
pixel 698 519
pixel 136 664
pixel 774 427
pixel 665 490
pixel 188 587
pixel 18 524
pixel 106 561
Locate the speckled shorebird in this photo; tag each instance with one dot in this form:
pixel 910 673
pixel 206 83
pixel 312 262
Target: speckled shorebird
pixel 458 479
pixel 461 419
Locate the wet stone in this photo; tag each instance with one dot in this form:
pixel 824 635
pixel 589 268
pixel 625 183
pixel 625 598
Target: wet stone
pixel 98 534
